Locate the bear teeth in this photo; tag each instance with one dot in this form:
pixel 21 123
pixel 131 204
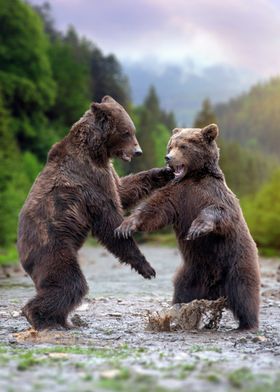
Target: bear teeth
pixel 126 157
pixel 179 170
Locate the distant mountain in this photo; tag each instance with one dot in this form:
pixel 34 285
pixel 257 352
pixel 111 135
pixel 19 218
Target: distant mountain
pixel 182 90
pixel 253 119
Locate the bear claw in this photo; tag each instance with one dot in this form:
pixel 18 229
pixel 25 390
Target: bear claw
pixel 126 229
pixel 199 229
pixel 147 271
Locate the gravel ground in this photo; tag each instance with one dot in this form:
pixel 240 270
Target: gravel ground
pixel 112 349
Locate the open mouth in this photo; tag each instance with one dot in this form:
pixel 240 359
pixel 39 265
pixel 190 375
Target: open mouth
pixel 125 157
pixel 122 155
pixel 179 171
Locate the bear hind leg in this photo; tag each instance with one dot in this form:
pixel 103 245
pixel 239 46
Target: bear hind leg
pixel 187 287
pixel 57 295
pixel 243 300
pixel 42 315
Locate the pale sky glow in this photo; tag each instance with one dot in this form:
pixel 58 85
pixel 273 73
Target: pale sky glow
pixel 239 33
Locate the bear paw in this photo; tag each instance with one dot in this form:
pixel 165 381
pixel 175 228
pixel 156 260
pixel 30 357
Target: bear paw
pixel 146 270
pixel 126 229
pixel 199 229
pixel 163 175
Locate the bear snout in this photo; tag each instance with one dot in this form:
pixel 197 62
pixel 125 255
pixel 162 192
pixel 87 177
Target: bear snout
pixel 137 152
pixel 167 158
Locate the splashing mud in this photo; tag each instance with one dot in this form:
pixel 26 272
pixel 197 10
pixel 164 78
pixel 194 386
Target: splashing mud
pixel 198 314
pixel 48 337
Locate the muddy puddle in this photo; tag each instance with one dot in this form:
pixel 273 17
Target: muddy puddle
pixel 115 350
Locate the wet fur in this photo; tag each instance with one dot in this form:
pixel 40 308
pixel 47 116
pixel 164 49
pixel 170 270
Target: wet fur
pixel 78 191
pixel 219 254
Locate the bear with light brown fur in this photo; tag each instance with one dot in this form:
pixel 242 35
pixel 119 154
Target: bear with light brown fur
pixel 219 255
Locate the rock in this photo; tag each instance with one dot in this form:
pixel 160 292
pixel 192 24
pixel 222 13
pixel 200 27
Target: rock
pixel 83 307
pixel 242 340
pixel 16 314
pixel 78 321
pixel 259 339
pixel 12 340
pixel 115 315
pixel 58 355
pixel 278 274
pixel 110 374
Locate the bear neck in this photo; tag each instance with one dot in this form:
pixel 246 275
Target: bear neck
pixel 211 169
pixel 89 140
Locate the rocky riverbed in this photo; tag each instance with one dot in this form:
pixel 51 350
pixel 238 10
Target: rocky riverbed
pixel 112 349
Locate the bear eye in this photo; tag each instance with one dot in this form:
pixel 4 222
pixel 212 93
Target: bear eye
pixel 184 146
pixel 126 134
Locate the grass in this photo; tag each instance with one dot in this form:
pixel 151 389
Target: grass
pixel 110 374
pixel 27 361
pixel 246 381
pixel 197 348
pixel 213 378
pixel 8 256
pixel 132 382
pixel 185 370
pixel 269 252
pixel 110 369
pixel 240 376
pixel 78 356
pixel 121 352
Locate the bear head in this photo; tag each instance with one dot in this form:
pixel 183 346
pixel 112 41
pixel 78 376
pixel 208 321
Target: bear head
pixel 117 129
pixel 192 150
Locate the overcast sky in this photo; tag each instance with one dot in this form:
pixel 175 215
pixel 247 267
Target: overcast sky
pixel 198 33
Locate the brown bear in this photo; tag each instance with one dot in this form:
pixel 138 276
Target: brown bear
pixel 78 191
pixel 219 254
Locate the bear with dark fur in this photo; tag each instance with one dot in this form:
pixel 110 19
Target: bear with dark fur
pixel 78 191
pixel 219 255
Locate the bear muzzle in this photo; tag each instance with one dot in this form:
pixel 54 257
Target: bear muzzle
pixel 137 152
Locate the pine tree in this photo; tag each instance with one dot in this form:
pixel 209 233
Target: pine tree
pixel 151 103
pixel 206 116
pixel 153 132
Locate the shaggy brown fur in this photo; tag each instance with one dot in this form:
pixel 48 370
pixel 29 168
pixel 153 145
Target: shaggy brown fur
pixel 79 191
pixel 220 256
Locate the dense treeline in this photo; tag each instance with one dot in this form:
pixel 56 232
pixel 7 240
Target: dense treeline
pixel 253 119
pixel 262 212
pixel 253 176
pixel 47 81
pixel 246 169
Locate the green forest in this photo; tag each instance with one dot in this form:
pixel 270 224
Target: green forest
pixel 253 119
pixel 47 81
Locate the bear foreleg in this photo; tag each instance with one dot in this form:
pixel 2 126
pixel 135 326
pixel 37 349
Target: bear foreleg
pixel 153 214
pixel 135 187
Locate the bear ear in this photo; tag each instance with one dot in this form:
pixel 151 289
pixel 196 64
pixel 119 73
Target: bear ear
pixel 210 132
pixel 108 99
pixel 102 115
pixel 175 130
pixel 98 108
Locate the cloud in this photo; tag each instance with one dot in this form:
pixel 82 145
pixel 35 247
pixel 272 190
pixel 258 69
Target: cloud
pixel 248 33
pixel 240 33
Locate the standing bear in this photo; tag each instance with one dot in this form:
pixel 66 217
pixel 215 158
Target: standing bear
pixel 78 191
pixel 219 255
